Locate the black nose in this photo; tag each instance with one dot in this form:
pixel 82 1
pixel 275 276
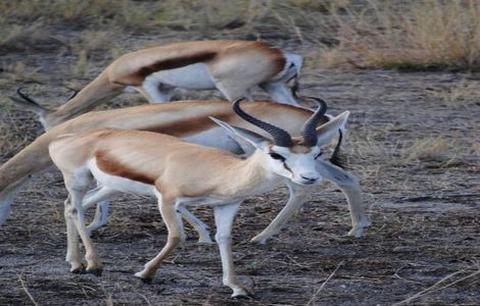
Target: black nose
pixel 309 179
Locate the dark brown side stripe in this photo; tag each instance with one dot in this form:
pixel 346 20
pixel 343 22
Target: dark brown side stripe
pixel 183 128
pixel 175 62
pixel 112 167
pixel 136 78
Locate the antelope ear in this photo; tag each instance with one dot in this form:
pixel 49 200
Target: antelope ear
pixel 241 135
pixel 326 132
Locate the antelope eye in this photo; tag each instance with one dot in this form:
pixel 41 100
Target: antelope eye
pixel 318 155
pixel 277 156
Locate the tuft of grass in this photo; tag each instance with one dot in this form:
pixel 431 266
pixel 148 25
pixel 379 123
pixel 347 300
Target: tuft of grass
pixel 413 35
pixel 19 37
pixel 461 93
pixel 94 41
pixel 428 149
pixel 19 72
pixel 81 66
pixel 131 15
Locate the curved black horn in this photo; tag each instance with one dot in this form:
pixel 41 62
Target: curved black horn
pixel 281 137
pixel 309 132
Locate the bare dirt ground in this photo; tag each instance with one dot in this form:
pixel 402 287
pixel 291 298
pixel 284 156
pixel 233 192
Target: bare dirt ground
pixel 413 140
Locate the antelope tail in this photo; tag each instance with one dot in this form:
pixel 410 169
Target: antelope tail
pixel 19 169
pixel 29 103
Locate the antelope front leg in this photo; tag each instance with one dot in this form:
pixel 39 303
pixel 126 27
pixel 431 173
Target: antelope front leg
pixel 224 215
pixel 174 225
pixel 295 201
pixel 350 187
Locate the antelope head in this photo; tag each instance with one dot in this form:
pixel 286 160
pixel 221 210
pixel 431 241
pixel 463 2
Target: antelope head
pixel 291 157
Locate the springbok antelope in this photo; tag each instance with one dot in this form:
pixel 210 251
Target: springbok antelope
pixel 234 67
pixel 190 121
pixel 182 174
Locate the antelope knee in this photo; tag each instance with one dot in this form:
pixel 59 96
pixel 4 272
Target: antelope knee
pixel 174 240
pixel 223 238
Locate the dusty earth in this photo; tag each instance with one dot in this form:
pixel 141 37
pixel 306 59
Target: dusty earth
pixel 412 140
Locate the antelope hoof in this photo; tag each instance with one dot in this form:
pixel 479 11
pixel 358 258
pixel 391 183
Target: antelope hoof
pixel 143 278
pixel 241 293
pixel 356 232
pixel 97 271
pixel 78 269
pixel 259 239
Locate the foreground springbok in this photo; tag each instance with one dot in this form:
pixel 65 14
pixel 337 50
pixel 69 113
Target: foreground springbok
pixel 182 174
pixel 234 67
pixel 190 121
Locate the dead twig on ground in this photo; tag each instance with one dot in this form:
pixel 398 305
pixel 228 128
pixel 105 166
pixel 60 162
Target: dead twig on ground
pixel 439 197
pixel 434 288
pixel 24 287
pixel 314 296
pixel 145 299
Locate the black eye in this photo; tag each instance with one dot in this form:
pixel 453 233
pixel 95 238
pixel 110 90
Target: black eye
pixel 318 155
pixel 277 156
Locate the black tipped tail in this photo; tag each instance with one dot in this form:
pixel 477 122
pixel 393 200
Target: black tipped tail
pixel 29 103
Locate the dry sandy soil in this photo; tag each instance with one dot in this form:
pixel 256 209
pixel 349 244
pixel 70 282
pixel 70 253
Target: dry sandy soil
pixel 413 140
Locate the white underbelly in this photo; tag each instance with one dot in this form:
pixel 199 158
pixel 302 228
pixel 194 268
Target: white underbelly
pixel 120 183
pixel 194 76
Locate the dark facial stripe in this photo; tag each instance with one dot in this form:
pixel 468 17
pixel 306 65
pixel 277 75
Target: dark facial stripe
pixel 287 167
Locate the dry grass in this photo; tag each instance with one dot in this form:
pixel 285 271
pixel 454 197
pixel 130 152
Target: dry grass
pixel 19 72
pixel 92 41
pixel 435 148
pixel 462 93
pixel 81 66
pixel 17 37
pixel 418 35
pixel 425 34
pixel 13 124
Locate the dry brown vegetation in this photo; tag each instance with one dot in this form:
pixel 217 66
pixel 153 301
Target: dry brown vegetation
pixel 413 140
pixel 414 35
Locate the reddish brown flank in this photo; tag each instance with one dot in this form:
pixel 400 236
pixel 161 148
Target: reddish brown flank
pixel 108 165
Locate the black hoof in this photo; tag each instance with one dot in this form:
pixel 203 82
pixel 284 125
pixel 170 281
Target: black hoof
pixel 148 281
pixel 243 297
pixel 96 272
pixel 79 270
